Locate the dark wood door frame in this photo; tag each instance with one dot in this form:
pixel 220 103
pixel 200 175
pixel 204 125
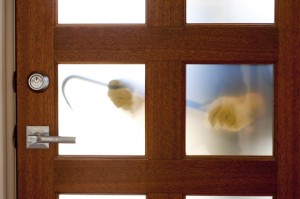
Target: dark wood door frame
pixel 165 172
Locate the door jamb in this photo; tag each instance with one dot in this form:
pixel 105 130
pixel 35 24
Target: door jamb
pixel 10 98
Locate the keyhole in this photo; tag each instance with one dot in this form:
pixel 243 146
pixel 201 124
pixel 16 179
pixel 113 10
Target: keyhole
pixel 36 79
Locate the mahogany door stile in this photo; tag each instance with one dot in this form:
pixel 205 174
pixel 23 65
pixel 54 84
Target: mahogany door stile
pixel 34 52
pixel 287 108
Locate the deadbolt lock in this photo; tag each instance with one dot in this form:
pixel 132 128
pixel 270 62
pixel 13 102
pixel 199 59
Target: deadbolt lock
pixel 38 82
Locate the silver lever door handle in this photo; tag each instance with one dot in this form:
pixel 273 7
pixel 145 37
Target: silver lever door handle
pixel 38 137
pixel 56 139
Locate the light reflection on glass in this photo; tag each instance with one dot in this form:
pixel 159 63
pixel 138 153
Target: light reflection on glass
pixel 229 109
pixel 229 197
pixel 101 11
pixel 230 11
pixel 106 118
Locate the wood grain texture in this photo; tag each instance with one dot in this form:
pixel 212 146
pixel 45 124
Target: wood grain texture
pixel 165 196
pixel 34 42
pixel 34 36
pixel 165 109
pixel 168 176
pixel 165 13
pixel 288 104
pixel 86 44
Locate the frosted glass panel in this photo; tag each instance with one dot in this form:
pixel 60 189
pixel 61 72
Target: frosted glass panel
pixel 229 109
pixel 101 197
pixel 230 11
pixel 101 11
pixel 103 106
pixel 229 197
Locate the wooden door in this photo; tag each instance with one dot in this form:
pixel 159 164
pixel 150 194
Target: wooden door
pixel 165 44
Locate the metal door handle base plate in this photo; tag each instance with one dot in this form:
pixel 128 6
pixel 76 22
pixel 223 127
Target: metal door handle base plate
pixel 30 134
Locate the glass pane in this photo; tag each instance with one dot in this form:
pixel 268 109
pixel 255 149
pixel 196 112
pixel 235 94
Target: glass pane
pixel 101 11
pixel 103 107
pixel 101 197
pixel 229 109
pixel 229 197
pixel 230 11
